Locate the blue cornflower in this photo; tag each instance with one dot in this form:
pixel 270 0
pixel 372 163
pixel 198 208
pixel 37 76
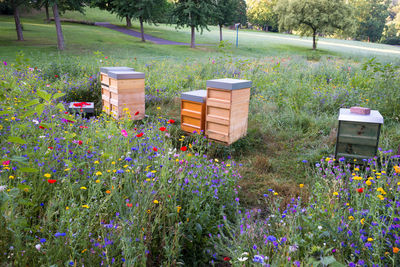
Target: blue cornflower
pixel 59 234
pixel 43 240
pixel 258 259
pixel 271 238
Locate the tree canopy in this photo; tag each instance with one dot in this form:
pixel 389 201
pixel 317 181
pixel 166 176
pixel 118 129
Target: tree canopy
pixel 312 17
pixel 262 14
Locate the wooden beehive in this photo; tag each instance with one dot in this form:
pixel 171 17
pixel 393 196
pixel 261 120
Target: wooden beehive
pixel 193 111
pixel 127 95
pixel 358 135
pixel 105 82
pixel 227 109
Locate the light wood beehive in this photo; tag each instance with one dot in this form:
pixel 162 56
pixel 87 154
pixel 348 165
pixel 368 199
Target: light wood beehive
pixel 105 82
pixel 227 109
pixel 193 111
pixel 127 94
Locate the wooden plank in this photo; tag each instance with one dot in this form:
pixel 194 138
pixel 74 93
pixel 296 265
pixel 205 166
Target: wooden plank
pixel 191 113
pixel 189 105
pixel 128 85
pixel 219 128
pixel 190 128
pixel 191 121
pixel 104 78
pixel 240 96
pixel 219 94
pixel 218 112
pixel 213 102
pixel 217 136
pixel 217 119
pixel 106 106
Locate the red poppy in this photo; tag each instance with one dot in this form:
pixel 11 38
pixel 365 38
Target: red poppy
pixel 106 57
pixel 137 113
pixel 129 205
pixel 80 142
pixel 51 181
pixel 171 121
pixel 66 112
pixel 139 135
pixel 56 76
pixel 162 129
pixel 50 147
pixel 155 149
pixel 227 259
pixel 184 148
pixel 360 190
pixel 41 127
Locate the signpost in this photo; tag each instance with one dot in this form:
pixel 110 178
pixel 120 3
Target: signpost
pixel 237 33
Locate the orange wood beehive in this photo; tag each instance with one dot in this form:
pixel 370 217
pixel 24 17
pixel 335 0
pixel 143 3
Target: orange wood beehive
pixel 127 94
pixel 105 82
pixel 227 109
pixel 193 111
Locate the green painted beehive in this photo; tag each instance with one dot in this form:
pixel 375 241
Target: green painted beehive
pixel 358 134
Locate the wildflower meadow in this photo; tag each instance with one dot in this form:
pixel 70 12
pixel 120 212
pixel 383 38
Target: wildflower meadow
pixel 79 191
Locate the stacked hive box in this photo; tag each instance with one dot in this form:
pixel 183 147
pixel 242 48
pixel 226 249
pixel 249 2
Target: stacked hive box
pixel 127 95
pixel 105 83
pixel 358 135
pixel 193 110
pixel 227 109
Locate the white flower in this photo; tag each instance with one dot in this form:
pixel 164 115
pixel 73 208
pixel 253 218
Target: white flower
pixel 35 121
pixel 243 257
pixel 319 227
pixel 38 247
pixel 2 188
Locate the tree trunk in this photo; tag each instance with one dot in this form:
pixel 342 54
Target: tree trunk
pixel 60 37
pixel 192 39
pixel 314 41
pixel 141 29
pixel 220 33
pixel 18 26
pixel 128 21
pixel 47 12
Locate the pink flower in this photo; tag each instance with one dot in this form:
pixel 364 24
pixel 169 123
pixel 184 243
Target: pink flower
pixel 5 63
pixel 124 133
pixel 6 163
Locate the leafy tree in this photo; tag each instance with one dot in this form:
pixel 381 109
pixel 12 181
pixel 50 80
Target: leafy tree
pixel 312 17
pixel 195 14
pixel 262 13
pixel 149 11
pixel 227 12
pixel 15 6
pixel 371 18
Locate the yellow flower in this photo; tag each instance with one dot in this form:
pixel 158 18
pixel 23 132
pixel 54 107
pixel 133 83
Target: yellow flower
pixel 83 251
pixel 113 162
pixel 158 108
pixel 66 170
pixel 178 209
pixel 96 162
pixel 26 189
pixel 83 188
pixel 98 173
pixel 275 193
pixel 228 165
pixel 67 208
pixel 370 239
pixel 97 181
pixel 11 177
pixel 148 211
pixel 368 182
pixel 155 201
pixel 356 169
pixel 381 197
pixel 47 175
pixel 351 218
pixel 327 159
pixel 85 206
pixel 1 127
pixel 301 185
pixel 362 221
pixel 126 166
pixel 335 193
pixel 358 178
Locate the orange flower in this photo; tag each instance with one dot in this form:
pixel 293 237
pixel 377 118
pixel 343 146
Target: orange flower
pixel 396 250
pixel 108 192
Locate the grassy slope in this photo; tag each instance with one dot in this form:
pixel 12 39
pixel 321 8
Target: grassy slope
pixel 275 163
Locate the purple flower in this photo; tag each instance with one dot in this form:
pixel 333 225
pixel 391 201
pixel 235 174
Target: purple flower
pixel 43 240
pixel 5 63
pixel 271 238
pixel 59 234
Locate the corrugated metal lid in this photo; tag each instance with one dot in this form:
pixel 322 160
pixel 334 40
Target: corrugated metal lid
pixel 125 75
pixel 229 84
pixel 373 117
pixel 108 69
pixel 195 96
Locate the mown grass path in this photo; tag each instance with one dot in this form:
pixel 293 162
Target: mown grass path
pixel 133 33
